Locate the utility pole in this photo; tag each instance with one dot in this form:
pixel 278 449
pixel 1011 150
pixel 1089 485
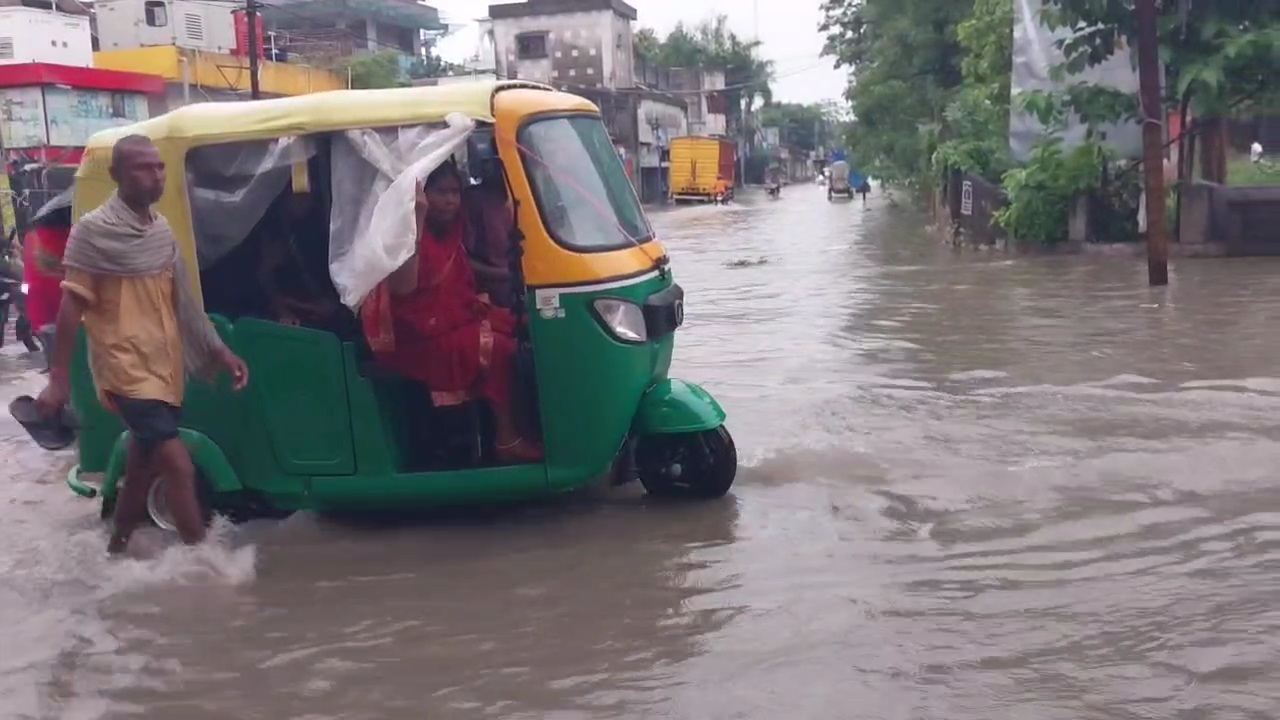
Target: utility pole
pixel 251 21
pixel 748 134
pixel 1152 141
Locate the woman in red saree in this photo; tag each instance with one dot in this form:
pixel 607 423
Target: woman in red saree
pixel 427 321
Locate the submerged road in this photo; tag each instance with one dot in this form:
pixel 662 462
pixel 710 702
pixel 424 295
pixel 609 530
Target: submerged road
pixel 975 487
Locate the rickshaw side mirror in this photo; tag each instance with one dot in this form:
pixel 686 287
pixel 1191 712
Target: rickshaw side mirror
pixel 483 162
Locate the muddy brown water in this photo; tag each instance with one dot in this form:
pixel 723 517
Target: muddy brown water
pixel 973 488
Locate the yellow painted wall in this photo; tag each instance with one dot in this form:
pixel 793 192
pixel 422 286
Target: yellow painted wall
pixel 220 72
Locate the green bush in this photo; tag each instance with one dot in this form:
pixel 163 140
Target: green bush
pixel 1040 192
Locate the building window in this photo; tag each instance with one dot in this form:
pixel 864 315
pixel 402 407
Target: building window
pixel 531 46
pixel 157 13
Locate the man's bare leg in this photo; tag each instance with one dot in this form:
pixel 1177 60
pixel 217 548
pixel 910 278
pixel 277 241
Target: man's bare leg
pixel 173 463
pixel 131 497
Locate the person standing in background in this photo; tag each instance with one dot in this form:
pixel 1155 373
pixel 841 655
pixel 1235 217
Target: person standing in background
pixel 42 252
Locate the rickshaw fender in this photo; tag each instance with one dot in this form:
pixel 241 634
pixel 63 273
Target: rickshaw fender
pixel 208 458
pixel 676 406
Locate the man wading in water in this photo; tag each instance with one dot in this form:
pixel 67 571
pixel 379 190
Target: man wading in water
pixel 128 282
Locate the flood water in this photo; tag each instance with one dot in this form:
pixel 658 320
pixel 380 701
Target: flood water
pixel 974 487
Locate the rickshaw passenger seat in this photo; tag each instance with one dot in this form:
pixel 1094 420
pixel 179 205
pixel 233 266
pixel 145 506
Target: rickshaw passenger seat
pixel 410 409
pixel 375 370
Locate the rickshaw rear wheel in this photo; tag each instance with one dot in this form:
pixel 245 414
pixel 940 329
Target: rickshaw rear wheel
pixel 698 466
pixel 158 503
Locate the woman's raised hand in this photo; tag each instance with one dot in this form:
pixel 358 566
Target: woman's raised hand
pixel 419 199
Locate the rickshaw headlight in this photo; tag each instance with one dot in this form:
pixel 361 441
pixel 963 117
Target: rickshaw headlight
pixel 622 318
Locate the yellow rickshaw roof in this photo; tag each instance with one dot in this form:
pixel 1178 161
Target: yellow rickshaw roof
pixel 318 112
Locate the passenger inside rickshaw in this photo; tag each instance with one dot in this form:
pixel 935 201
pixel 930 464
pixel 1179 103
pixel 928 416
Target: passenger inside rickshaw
pixel 293 266
pixel 437 328
pixel 286 251
pixel 284 255
pixel 491 221
pixel 229 285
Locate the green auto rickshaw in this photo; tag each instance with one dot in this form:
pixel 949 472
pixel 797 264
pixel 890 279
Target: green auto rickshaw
pixel 321 425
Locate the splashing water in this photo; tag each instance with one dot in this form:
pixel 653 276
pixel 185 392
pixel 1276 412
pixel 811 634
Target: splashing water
pixel 217 561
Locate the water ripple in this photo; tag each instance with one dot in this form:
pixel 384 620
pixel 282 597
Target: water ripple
pixel 973 487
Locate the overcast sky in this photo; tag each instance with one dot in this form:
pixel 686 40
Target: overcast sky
pixel 788 28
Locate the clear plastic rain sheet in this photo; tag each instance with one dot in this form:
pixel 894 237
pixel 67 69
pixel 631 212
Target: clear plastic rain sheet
pixel 1035 55
pixel 232 185
pixel 371 224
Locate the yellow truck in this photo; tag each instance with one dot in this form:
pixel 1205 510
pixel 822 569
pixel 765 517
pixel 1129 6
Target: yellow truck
pixel 702 169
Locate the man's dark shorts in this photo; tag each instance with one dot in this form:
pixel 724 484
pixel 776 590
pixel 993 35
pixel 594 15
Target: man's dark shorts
pixel 150 422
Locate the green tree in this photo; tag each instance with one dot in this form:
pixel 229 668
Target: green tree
pixel 746 75
pixel 805 126
pixel 976 121
pixel 1218 55
pixel 681 48
pixel 646 45
pixel 1041 192
pixel 904 57
pixel 377 70
pixel 986 37
pixel 384 69
pixel 711 44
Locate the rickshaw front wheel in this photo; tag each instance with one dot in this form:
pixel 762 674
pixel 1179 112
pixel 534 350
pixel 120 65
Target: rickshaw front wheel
pixel 699 466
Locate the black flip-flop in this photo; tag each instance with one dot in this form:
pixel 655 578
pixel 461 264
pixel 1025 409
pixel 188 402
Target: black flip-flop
pixel 54 433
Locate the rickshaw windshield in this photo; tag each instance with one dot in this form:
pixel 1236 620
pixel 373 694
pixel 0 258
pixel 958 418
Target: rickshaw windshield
pixel 580 186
